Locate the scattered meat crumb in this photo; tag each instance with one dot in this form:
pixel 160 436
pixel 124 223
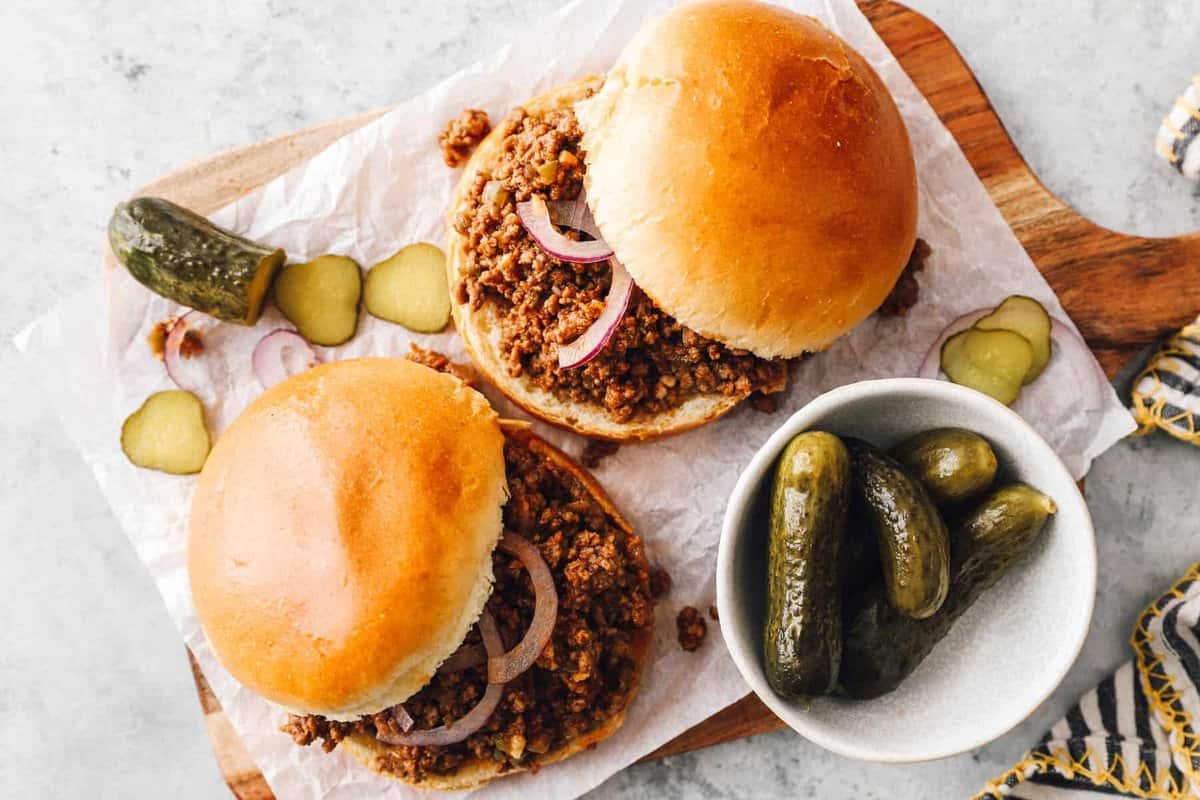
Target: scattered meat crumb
pixel 660 582
pixel 692 628
pixel 596 450
pixel 712 612
pixel 157 339
pixel 764 403
pixel 435 360
pixel 462 135
pixel 906 291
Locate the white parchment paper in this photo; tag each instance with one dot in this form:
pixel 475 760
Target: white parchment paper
pixel 385 186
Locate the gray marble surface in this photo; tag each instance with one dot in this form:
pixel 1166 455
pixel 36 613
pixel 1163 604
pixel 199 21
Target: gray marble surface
pixel 99 98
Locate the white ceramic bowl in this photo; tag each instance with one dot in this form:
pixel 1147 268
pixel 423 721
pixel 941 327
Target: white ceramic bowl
pixel 1002 658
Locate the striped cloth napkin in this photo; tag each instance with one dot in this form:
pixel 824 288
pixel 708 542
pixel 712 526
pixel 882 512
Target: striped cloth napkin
pixel 1136 734
pixel 1166 395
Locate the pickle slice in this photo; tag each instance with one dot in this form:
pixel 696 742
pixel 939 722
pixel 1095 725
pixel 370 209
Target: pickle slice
pixel 410 289
pixel 992 362
pixel 1028 317
pixel 320 297
pixel 167 433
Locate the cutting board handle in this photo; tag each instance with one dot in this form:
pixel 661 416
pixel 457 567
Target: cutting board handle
pixel 1123 291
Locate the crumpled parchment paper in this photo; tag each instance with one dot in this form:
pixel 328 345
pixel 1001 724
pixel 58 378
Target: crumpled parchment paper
pixel 385 186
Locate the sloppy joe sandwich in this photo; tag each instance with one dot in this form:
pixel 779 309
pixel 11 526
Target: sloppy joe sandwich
pixel 633 255
pixel 435 590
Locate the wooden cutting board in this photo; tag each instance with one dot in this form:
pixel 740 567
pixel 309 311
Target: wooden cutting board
pixel 1123 292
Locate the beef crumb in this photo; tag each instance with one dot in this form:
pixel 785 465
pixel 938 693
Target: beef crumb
pixel 462 135
pixel 660 582
pixel 906 291
pixel 596 450
pixel 588 671
pixel 712 613
pixel 692 628
pixel 651 364
pixel 157 338
pixel 764 403
pixel 435 360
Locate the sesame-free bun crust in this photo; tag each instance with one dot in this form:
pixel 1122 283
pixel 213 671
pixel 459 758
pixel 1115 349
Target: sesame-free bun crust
pixel 753 174
pixel 476 772
pixel 480 328
pixel 341 534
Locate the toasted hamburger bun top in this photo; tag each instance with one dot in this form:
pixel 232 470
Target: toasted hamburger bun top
pixel 341 534
pixel 753 174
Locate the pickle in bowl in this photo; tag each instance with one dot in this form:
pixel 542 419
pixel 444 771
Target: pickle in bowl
pixel 809 502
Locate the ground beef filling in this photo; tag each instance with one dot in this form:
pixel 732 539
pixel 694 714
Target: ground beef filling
pixel 462 135
pixel 587 672
pixel 652 363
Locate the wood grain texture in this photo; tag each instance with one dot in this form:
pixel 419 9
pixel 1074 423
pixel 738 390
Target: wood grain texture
pixel 1123 292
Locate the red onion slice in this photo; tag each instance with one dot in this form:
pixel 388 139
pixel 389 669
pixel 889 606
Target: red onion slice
pixel 402 718
pixel 575 214
pixel 535 218
pixel 592 341
pixel 465 657
pixel 473 720
pixel 504 668
pixel 281 354
pixel 185 369
pixel 1077 353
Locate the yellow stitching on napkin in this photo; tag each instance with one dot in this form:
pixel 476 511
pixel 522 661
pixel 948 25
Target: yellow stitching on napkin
pixel 1059 760
pixel 1178 134
pixel 1165 151
pixel 1162 696
pixel 1182 102
pixel 1148 409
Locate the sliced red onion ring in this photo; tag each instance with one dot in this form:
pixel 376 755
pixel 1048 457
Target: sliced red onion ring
pixel 183 368
pixel 1065 341
pixel 535 217
pixel 281 354
pixel 592 341
pixel 575 214
pixel 402 718
pixel 473 720
pixel 502 669
pixel 465 657
pixel 1077 354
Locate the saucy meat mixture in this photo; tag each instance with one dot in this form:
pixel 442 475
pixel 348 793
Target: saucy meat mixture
pixel 651 364
pixel 586 674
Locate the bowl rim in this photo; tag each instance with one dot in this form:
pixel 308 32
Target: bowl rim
pixel 748 484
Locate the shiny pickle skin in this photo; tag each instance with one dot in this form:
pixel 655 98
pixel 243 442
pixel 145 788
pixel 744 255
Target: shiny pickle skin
pixel 882 647
pixel 954 464
pixel 183 257
pixel 914 545
pixel 809 501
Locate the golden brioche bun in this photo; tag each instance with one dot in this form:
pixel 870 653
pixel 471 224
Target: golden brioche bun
pixel 341 534
pixel 480 328
pixel 474 773
pixel 753 174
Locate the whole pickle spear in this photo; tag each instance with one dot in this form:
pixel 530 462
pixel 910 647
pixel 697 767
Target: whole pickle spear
pixel 882 647
pixel 914 546
pixel 802 640
pixel 954 464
